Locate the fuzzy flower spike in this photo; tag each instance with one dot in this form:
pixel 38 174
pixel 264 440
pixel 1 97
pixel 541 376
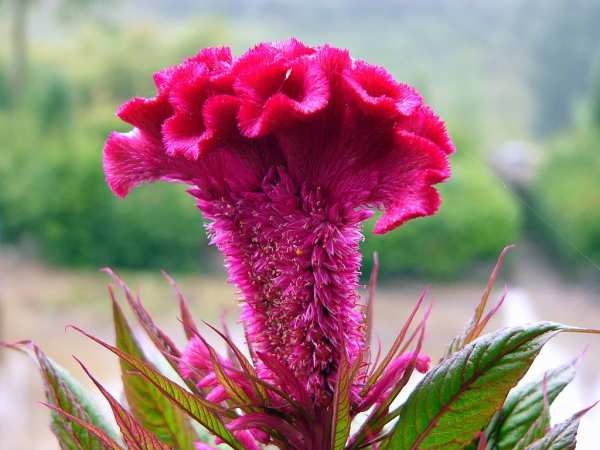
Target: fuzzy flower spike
pixel 287 149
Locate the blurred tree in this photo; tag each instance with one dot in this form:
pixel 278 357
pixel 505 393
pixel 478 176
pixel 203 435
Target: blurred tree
pixel 21 10
pixel 594 103
pixel 565 39
pixel 5 91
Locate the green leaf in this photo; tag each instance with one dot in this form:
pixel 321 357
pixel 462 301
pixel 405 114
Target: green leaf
pixel 456 399
pixel 234 391
pixel 104 439
pixel 159 338
pixel 148 405
pixel 135 435
pixel 156 335
pixel 535 431
pixel 524 406
pixel 63 392
pixel 371 300
pixel 189 326
pixel 395 349
pixel 245 365
pixel 341 405
pixel 380 415
pixel 204 412
pixel 562 436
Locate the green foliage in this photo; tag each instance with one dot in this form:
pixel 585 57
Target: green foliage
pixel 560 34
pixel 146 403
pixel 194 406
pixel 458 398
pixel 5 94
pixel 566 195
pixel 53 190
pixel 64 393
pixel 341 418
pixel 135 436
pixel 594 98
pixel 60 200
pixel 524 407
pixel 123 59
pixel 562 436
pixel 52 102
pixel 477 217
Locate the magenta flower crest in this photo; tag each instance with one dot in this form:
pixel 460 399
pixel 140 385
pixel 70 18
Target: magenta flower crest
pixel 287 150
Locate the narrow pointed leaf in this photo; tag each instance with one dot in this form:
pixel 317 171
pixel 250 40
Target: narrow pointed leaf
pixel 286 379
pixel 524 405
pixel 535 431
pixel 235 392
pixel 380 415
pixel 395 348
pixel 103 439
pixel 67 395
pixel 189 326
pixel 341 419
pixel 371 299
pixel 562 436
pixel 540 425
pixel 148 405
pixel 455 400
pixel 294 437
pixel 243 363
pixel 160 339
pixel 135 435
pixel 206 413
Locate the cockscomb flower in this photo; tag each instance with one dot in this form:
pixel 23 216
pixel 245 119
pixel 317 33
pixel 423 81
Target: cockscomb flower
pixel 287 150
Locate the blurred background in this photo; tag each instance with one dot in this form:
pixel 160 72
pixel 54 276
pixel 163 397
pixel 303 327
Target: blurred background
pixel 518 82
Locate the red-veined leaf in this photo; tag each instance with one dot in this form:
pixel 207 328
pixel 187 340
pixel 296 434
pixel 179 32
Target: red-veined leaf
pixel 156 335
pixel 204 412
pixel 296 438
pixel 104 440
pixel 372 427
pixel 286 379
pixel 189 326
pixel 244 364
pixel 148 405
pixel 394 350
pixel 524 405
pixel 135 435
pixel 234 391
pixel 341 419
pixel 160 339
pixel 562 436
pixel 64 392
pixel 456 399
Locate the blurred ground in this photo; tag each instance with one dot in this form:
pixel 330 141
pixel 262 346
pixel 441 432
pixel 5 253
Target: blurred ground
pixel 37 302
